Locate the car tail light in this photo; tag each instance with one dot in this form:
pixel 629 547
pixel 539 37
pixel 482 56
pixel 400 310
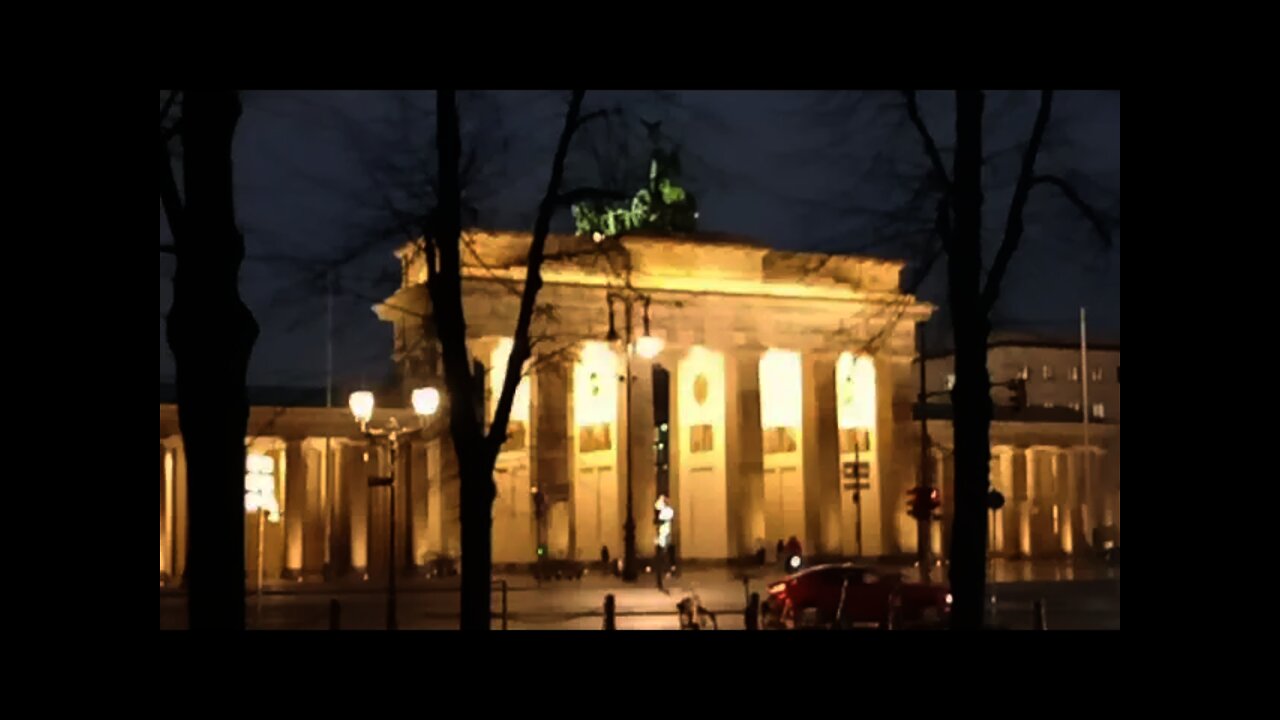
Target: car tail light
pixel 778 588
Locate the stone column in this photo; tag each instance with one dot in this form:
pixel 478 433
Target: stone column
pixel 164 534
pixel 340 533
pixel 744 453
pixel 178 526
pixel 1075 499
pixel 435 499
pixel 417 547
pixel 313 513
pixel 1064 500
pixel 880 503
pixel 295 506
pixel 1000 476
pixel 1043 498
pixel 1020 459
pixel 551 448
pixel 356 480
pixel 642 436
pixel 670 360
pixel 830 515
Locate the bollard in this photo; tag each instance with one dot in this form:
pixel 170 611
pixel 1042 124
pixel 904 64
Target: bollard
pixel 610 613
pixel 753 612
pixel 335 614
pixel 1039 619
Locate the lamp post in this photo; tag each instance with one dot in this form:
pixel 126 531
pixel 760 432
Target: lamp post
pixel 260 497
pixel 648 347
pixel 426 401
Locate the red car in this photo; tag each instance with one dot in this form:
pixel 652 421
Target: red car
pixel 848 595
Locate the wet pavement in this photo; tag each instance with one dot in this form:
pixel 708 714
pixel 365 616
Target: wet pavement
pixel 1077 596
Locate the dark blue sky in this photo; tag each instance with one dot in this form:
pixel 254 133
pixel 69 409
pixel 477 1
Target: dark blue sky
pixel 798 170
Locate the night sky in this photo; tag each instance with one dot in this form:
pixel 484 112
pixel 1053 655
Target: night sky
pixel 797 170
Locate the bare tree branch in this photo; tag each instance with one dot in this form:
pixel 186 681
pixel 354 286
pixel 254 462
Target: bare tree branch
pixel 1095 218
pixel 605 112
pixel 169 197
pixel 1014 226
pixel 520 348
pixel 930 147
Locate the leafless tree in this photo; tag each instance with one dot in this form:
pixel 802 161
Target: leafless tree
pixel 211 333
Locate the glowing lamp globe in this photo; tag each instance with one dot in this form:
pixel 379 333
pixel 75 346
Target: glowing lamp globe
pixel 648 346
pixel 361 404
pixel 426 401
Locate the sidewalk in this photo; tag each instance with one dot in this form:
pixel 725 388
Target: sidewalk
pixel 717 580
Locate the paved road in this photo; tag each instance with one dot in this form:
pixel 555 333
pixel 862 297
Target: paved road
pixel 1092 603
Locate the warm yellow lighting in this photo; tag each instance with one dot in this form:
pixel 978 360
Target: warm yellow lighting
pixel 795 561
pixel 648 346
pixel 361 404
pixel 856 392
pixel 595 393
pixel 426 401
pixel 260 486
pixel 948 598
pixel 780 389
pixel 256 464
pixel 498 375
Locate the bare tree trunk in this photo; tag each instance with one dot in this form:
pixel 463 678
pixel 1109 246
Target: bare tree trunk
pixel 211 333
pixel 444 285
pixel 971 397
pixel 477 451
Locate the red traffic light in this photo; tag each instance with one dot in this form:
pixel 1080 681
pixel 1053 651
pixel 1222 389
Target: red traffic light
pixel 922 501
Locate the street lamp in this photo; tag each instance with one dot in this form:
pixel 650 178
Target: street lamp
pixel 647 347
pixel 426 401
pixel 260 497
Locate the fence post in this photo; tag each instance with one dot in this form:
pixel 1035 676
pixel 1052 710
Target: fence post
pixel 1039 619
pixel 335 614
pixel 610 613
pixel 753 612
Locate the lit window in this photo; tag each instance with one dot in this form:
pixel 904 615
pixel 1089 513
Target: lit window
pixel 1099 410
pixel 1096 374
pixel 1075 374
pixel 1075 406
pixel 1025 373
pixel 1048 404
pixel 1047 372
pixel 951 381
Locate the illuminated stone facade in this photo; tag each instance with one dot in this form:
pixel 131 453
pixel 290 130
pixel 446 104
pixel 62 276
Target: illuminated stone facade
pixel 1056 504
pixel 779 363
pixel 783 373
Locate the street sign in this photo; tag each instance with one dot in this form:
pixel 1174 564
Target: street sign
pixel 855 471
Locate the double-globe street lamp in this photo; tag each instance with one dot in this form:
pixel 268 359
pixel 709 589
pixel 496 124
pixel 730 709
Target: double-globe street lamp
pixel 426 401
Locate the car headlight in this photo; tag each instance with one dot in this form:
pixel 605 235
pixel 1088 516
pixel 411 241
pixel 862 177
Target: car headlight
pixel 948 598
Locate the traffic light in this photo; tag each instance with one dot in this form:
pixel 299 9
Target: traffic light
pixel 922 502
